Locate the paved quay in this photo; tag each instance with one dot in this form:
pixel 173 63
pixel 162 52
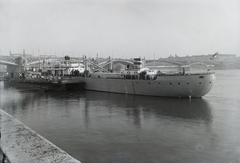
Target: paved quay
pixel 23 145
pixel 1 155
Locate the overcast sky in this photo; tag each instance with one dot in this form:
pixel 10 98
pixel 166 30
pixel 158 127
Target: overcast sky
pixel 120 28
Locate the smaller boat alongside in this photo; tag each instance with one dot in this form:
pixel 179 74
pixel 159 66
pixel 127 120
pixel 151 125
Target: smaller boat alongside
pixel 58 75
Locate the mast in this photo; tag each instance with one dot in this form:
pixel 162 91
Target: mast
pixel 154 59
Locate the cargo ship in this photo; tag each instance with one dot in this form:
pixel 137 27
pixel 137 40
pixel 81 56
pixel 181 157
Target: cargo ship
pixel 139 80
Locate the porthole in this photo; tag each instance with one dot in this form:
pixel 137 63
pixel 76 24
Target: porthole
pixel 159 83
pixel 187 83
pixel 200 83
pixel 137 82
pixel 170 83
pixel 210 82
pixel 178 83
pixel 148 83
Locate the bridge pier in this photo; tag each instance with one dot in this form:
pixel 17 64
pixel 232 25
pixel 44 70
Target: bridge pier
pixel 180 69
pixel 13 70
pixel 110 65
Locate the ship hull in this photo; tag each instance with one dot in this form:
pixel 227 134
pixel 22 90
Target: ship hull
pixel 44 86
pixel 167 86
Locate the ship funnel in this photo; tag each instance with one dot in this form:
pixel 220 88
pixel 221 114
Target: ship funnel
pixel 137 62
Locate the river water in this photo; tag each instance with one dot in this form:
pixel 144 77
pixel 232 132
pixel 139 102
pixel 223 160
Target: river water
pixel 105 127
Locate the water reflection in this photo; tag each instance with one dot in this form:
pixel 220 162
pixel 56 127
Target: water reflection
pixel 107 127
pixel 124 127
pixel 137 106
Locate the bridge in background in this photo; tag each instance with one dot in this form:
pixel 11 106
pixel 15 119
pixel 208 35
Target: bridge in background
pixel 170 62
pixel 17 63
pixel 216 64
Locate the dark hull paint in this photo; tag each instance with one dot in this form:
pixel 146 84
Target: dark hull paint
pixel 44 86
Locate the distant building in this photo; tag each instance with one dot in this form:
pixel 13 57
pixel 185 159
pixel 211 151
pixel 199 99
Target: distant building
pixel 20 55
pixel 205 58
pixel 226 58
pixel 220 61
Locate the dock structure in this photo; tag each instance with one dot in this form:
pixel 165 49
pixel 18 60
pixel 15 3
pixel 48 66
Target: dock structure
pixel 20 144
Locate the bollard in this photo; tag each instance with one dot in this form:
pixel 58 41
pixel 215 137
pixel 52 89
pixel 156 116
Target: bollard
pixel 4 159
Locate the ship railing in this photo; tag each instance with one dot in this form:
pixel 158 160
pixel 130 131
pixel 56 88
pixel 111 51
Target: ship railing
pixel 139 77
pixel 185 74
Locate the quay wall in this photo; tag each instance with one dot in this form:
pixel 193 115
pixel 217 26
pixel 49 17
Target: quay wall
pixel 21 144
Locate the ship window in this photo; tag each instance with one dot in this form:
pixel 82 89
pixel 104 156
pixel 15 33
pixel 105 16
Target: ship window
pixel 148 83
pixel 137 82
pixel 159 83
pixel 170 83
pixel 200 83
pixel 210 82
pixel 201 76
pixel 98 76
pixel 187 83
pixel 178 83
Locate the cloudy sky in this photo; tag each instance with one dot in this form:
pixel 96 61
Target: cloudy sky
pixel 120 28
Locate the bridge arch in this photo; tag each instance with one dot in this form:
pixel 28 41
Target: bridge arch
pixel 165 61
pixel 198 63
pixel 117 61
pixel 6 63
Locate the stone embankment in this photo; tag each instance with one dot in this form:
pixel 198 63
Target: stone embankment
pixel 20 144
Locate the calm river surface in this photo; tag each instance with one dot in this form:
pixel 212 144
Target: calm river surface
pixel 111 128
